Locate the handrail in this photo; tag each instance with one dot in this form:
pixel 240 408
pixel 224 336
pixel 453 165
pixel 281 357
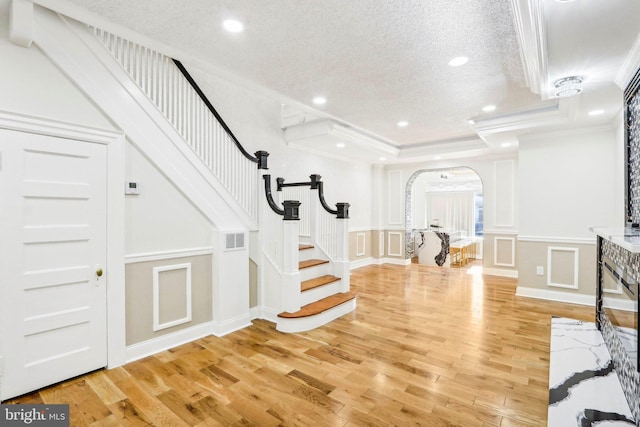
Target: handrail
pixel 315 180
pixel 291 207
pixel 342 210
pixel 315 183
pixel 260 156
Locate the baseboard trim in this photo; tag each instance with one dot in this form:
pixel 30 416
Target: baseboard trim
pixel 396 261
pixel 502 272
pixel 362 263
pixel 220 329
pixel 264 313
pixel 557 296
pixel 620 304
pixel 156 345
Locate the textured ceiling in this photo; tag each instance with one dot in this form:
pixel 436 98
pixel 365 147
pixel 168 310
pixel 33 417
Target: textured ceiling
pixel 382 61
pixel 376 62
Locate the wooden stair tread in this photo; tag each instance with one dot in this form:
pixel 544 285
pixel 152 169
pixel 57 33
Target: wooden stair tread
pixel 303 246
pixel 320 306
pixel 318 281
pixel 311 262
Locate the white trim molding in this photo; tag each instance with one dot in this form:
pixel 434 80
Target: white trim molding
pixel 620 304
pixel 630 65
pixel 565 240
pixel 157 326
pixel 155 345
pixel 400 248
pixel 576 262
pixel 502 272
pixel 165 255
pixel 513 252
pixel 59 129
pixel 532 34
pixel 381 244
pixel 21 22
pixel 500 232
pixel 558 296
pixel 361 237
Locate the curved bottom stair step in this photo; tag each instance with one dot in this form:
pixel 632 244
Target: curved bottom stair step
pixel 317 314
pixel 320 306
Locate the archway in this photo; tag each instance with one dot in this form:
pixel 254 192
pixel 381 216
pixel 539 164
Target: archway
pixel 443 181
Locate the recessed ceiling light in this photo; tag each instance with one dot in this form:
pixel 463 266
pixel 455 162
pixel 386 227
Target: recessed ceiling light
pixel 471 122
pixel 233 26
pixel 340 145
pixel 403 123
pixel 382 159
pixel 488 108
pixel 596 112
pixel 505 144
pixel 319 100
pixel 437 158
pixel 458 61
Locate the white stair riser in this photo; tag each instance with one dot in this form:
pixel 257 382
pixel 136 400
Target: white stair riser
pixel 315 271
pixel 316 294
pixel 306 254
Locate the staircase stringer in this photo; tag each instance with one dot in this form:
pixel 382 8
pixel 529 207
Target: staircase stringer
pixel 145 126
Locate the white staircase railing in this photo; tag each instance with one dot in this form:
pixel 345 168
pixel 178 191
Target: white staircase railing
pixel 162 80
pixel 327 227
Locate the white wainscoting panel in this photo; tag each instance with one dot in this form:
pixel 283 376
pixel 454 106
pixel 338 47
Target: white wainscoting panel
pixel 157 294
pixel 361 240
pixel 561 252
pixel 512 251
pixel 504 193
pixel 395 243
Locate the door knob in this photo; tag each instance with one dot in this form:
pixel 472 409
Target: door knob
pixel 99 272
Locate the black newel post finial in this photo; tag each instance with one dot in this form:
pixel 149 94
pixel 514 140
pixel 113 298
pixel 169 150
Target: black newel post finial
pixel 343 210
pixel 262 159
pixel 291 210
pixel 315 180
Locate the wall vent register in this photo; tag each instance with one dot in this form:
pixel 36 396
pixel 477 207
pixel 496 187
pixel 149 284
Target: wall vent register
pixel 234 241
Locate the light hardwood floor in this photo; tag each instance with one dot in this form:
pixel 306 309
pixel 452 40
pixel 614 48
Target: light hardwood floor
pixel 425 346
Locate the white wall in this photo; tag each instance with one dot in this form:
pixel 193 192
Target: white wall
pixel 31 84
pixel 160 218
pixel 569 182
pixel 255 120
pixel 486 170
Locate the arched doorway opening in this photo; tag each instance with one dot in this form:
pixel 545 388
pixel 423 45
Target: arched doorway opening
pixel 445 201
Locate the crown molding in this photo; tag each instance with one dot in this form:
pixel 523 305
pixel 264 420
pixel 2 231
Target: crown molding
pixel 21 22
pixel 532 37
pixel 630 66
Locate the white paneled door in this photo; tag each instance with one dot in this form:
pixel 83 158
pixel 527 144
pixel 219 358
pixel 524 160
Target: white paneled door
pixel 52 259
